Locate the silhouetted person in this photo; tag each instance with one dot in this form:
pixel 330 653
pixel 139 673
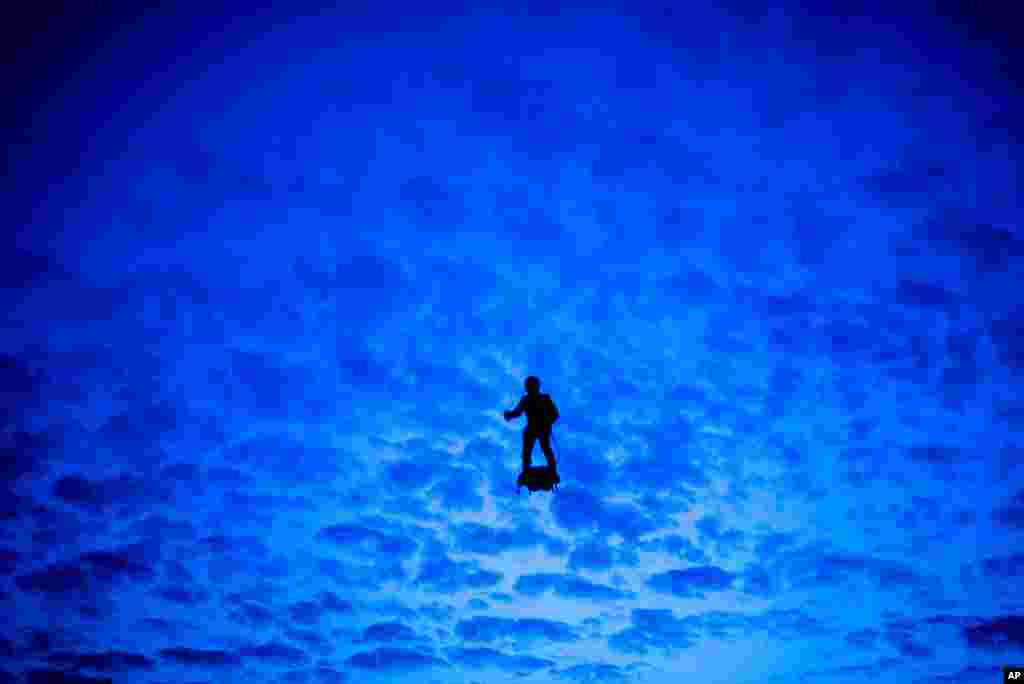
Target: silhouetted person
pixel 541 414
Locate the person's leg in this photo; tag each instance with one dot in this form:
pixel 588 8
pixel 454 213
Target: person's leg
pixel 549 453
pixel 529 437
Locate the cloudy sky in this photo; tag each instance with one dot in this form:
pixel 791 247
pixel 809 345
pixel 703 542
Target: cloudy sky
pixel 273 278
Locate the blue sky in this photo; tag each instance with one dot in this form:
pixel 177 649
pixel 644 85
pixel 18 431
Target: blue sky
pixel 278 277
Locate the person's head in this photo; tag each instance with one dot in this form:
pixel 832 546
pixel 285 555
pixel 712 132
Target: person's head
pixel 532 384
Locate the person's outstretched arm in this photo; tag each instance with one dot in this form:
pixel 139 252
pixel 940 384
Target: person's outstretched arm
pixel 516 412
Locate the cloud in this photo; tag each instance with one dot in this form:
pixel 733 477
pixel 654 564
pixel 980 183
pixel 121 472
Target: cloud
pixel 60 677
pixel 96 495
pixel 963 368
pixel 671 470
pixel 260 506
pixel 935 454
pixel 252 614
pixel 989 248
pixel 200 657
pixel 366 540
pixel 675 545
pixel 489 629
pixel 285 458
pixel 577 510
pixel 392 659
pixel 863 638
pixel 186 596
pixel 23 454
pixel 23 268
pixel 660 630
pixel 391 606
pixel 478 658
pixel 1002 570
pixel 1011 514
pixel 848 342
pixel 176 572
pixel 1006 333
pixel 246 546
pixel 692 582
pixel 327 675
pixel 163 628
pixel 485 539
pixel 183 471
pixel 903 634
pixel 568 586
pixel 17 378
pixel 365 282
pixel 35 641
pixel 817 567
pixel 432 203
pixel 106 661
pixel 676 226
pixel 788 623
pixel 372 560
pixel 141 426
pixel 670 460
pixel 759 581
pixel 412 475
pixel 874 669
pixel 389 631
pixel 311 638
pixel 458 490
pixel 439 573
pixel 231 426
pixel 998 634
pixel 725 541
pixel 910 183
pixel 655 629
pixel 275 652
pixel 595 673
pixel 437 611
pixel 972 674
pixel 104 566
pixel 305 612
pixel 53 579
pixel 598 556
pixel 926 296
pixel 317 675
pixel 163 529
pixel 227 476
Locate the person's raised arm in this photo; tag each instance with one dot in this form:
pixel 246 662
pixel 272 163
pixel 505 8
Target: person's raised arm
pixel 516 412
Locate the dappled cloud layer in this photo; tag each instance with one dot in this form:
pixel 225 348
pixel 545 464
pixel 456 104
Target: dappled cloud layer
pixel 257 346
